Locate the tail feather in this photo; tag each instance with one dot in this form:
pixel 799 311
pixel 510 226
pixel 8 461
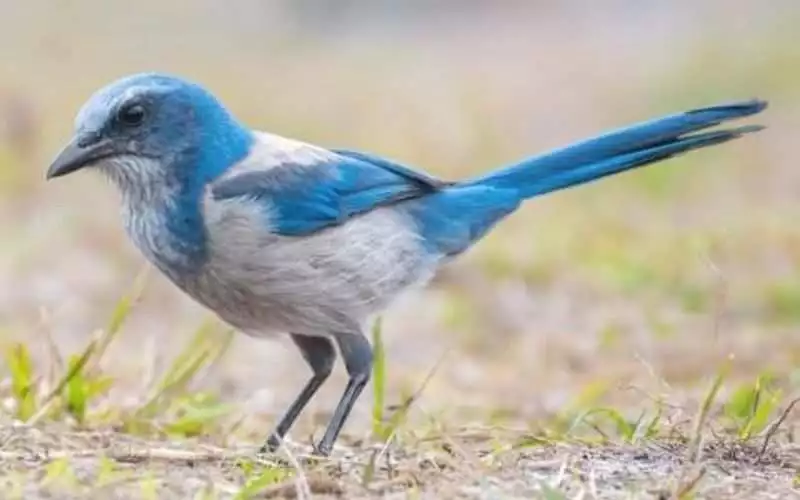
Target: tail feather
pixel 621 150
pixel 452 219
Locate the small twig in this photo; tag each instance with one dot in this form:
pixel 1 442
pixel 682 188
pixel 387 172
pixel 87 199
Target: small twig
pixel 405 481
pixel 651 371
pixel 406 405
pixel 290 488
pixel 467 456
pixel 130 455
pixel 562 472
pixel 593 484
pixel 57 359
pixel 226 433
pixel 151 369
pixel 133 297
pixel 773 428
pixel 720 295
pixel 223 348
pixel 723 469
pixel 301 482
pixel 685 488
pixel 544 465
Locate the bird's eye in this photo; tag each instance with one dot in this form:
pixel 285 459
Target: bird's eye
pixel 131 115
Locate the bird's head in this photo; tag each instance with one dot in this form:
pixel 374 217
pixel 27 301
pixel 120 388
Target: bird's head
pixel 148 127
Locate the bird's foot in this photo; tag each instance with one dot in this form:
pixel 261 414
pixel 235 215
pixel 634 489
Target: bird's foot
pixel 271 446
pixel 321 449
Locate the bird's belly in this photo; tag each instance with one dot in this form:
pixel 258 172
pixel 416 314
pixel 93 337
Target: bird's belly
pixel 330 281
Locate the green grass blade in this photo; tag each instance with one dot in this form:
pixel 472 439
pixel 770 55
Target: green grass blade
pixel 72 385
pixel 23 387
pixel 74 369
pixel 122 310
pixel 705 408
pixel 267 477
pixel 199 352
pixel 624 429
pixel 400 415
pixel 378 381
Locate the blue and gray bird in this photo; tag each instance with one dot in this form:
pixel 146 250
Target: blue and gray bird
pixel 275 235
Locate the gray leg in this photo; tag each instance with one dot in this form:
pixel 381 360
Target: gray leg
pixel 320 356
pixel 357 354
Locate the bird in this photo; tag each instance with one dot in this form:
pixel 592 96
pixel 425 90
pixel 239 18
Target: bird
pixel 277 236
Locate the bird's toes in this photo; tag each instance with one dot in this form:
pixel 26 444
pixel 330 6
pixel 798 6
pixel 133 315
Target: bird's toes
pixel 322 450
pixel 272 445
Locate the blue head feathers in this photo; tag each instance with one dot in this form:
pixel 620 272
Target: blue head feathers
pixel 175 122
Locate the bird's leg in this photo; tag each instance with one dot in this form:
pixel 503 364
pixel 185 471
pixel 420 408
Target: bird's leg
pixel 320 356
pixel 357 354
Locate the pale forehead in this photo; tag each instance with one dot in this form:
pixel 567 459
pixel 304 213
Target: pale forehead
pixel 96 110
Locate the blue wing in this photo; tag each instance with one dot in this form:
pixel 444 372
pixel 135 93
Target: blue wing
pixel 304 197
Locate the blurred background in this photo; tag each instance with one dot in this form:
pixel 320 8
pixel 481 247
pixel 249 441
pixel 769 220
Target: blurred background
pixel 634 286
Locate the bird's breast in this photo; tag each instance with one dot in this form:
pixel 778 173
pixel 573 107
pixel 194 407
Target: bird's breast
pixel 151 215
pixel 331 280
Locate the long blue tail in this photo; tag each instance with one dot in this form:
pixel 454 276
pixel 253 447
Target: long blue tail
pixel 621 150
pixel 451 220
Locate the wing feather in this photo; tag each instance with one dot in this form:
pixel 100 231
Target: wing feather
pixel 305 190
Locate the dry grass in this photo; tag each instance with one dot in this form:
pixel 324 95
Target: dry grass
pixel 631 339
pixel 39 462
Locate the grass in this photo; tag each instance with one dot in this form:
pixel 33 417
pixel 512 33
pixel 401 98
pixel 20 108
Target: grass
pixel 154 447
pixel 635 338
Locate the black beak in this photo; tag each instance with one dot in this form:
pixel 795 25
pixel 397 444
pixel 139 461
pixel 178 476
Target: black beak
pixel 80 152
